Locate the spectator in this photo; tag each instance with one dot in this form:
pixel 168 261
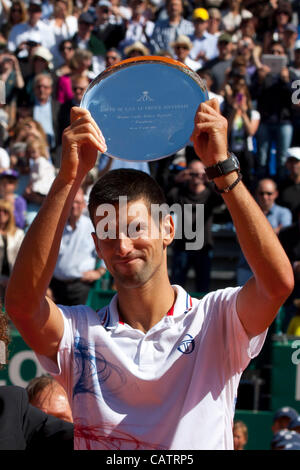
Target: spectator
pixel 79 85
pixel 66 50
pixel 45 110
pixel 80 64
pixel 214 26
pixel 289 39
pixel 11 75
pixel 221 64
pixel 294 424
pixel 42 62
pixel 33 30
pixel 204 44
pixel 191 187
pixel 17 14
pixel 4 160
pixel 22 426
pixel 208 79
pixel 85 39
pixel 243 122
pixel 63 25
pixel 289 194
pixel 75 270
pixel 166 31
pixel 11 238
pixel 139 27
pixel 232 18
pixel 282 16
pixel 112 57
pixel 282 418
pixel 182 47
pixel 111 34
pixel 135 50
pixel 8 192
pixel 49 396
pixel 285 440
pixel 120 12
pixel 240 435
pixel 278 216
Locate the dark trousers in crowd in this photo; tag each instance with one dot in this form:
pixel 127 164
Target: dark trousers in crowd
pixel 73 292
pixel 199 260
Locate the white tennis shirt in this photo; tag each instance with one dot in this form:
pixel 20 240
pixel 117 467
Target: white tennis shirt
pixel 173 387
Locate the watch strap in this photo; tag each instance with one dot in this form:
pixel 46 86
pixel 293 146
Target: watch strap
pixel 223 168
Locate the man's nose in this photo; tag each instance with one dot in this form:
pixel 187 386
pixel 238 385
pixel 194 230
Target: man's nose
pixel 124 245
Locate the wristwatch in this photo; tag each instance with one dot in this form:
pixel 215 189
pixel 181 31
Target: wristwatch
pixel 223 168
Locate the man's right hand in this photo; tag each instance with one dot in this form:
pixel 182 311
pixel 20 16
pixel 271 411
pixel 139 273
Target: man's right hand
pixel 80 143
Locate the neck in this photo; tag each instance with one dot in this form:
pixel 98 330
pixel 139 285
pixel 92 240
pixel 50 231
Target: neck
pixel 73 221
pixel 174 19
pixel 141 307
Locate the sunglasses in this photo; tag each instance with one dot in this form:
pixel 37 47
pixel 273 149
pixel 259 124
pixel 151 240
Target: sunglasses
pixel 197 175
pixel 80 88
pixel 67 48
pixel 181 47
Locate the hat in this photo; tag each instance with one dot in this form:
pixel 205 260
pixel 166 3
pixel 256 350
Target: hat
pixel 183 40
pixel 137 46
pixel 292 446
pixel 284 437
pixel 86 17
pixel 104 3
pixel 295 423
pixel 10 173
pixel 286 410
pixel 293 152
pixel 200 14
pixel 291 27
pixel 45 54
pixel 225 37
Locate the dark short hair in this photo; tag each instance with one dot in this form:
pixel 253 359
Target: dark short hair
pixel 134 184
pixel 37 385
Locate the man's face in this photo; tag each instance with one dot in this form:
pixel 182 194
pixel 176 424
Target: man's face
pixel 111 58
pixel 200 26
pixel 35 13
pixel 174 7
pixel 103 14
pixel 135 248
pixel 79 86
pixel 197 175
pixel 84 28
pixel 266 195
pixel 225 48
pixel 281 423
pixel 7 186
pixel 43 89
pixel 78 205
pixel 293 167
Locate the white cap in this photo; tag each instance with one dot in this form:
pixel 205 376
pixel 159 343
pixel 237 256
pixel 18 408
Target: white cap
pixel 293 152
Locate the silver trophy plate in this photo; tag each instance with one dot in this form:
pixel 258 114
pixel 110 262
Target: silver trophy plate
pixel 145 107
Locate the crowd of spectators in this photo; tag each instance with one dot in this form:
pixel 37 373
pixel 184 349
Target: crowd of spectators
pixel 246 51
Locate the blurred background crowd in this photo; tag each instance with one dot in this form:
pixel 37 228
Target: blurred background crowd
pixel 248 54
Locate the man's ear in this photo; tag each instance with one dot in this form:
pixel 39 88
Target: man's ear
pixel 168 230
pixel 97 244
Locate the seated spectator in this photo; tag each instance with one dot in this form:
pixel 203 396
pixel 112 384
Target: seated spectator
pixel 109 32
pixel 282 16
pixel 282 418
pixel 295 422
pixel 85 39
pixel 76 270
pixel 41 63
pixel 41 176
pixel 79 85
pixel 11 75
pixel 294 325
pixel 33 30
pixel 222 63
pixel 22 426
pixel 26 128
pixel 63 25
pixel 278 216
pixel 49 396
pixel 66 51
pixel 215 26
pixel 139 27
pixel 204 44
pixel 167 30
pixel 17 14
pixel 191 187
pixel 290 35
pixel 80 64
pixel 11 238
pixel 112 57
pixel 8 188
pixel 232 18
pixel 135 50
pixel 182 47
pixel 240 435
pixel 207 77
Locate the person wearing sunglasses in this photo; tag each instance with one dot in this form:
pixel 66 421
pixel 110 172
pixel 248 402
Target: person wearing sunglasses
pixel 278 216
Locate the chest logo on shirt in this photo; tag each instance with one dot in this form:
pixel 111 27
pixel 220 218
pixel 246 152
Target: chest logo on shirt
pixel 187 346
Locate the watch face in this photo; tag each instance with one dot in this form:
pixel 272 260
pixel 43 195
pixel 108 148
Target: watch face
pixel 235 161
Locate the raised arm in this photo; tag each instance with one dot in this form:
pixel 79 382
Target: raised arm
pixel 259 300
pixel 36 317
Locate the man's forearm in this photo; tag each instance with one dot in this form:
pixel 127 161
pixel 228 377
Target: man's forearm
pixel 37 256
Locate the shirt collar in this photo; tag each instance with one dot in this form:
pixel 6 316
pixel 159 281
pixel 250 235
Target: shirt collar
pixel 183 304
